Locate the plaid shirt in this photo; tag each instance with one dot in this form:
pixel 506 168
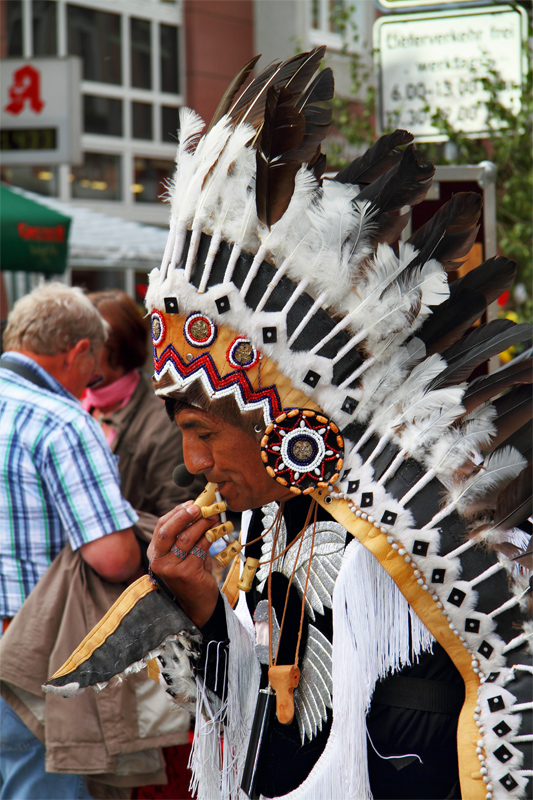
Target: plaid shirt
pixel 59 481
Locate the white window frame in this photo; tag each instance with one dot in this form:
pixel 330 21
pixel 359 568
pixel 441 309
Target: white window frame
pixel 339 41
pixel 125 146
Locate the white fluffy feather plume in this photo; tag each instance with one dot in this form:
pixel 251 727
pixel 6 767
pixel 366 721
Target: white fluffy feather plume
pixel 191 126
pixel 462 443
pixel 499 469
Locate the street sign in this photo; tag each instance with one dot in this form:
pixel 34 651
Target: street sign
pixel 435 60
pixel 40 111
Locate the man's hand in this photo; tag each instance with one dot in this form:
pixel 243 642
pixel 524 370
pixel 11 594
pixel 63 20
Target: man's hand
pixel 179 555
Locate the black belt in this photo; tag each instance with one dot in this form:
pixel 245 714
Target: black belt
pixel 420 694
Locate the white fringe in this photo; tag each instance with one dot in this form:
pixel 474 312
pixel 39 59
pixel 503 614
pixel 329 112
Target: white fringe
pixel 371 621
pixel 217 761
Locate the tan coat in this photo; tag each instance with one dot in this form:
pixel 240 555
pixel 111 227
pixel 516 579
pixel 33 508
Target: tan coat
pixel 90 733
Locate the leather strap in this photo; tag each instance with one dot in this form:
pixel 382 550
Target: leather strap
pixel 24 372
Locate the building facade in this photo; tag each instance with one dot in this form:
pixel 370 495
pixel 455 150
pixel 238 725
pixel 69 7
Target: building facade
pixel 143 59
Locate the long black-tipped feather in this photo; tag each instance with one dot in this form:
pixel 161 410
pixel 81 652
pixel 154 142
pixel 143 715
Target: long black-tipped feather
pixel 514 411
pixel 250 106
pixel 483 343
pixel 292 75
pixel 320 90
pixel 317 123
pixel 449 235
pixel 405 184
pixel 521 440
pixel 491 278
pixel 234 87
pixel 296 73
pixel 489 386
pixel 515 502
pixel 282 134
pixel 377 160
pixel 469 297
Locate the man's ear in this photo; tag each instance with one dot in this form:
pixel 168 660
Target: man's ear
pixel 81 348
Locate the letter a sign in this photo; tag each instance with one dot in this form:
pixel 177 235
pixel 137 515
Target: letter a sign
pixel 40 110
pixel 25 89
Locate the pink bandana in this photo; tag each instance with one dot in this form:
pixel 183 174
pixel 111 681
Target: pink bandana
pixel 120 390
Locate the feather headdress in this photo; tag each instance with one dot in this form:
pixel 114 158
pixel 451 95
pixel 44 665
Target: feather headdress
pixel 291 293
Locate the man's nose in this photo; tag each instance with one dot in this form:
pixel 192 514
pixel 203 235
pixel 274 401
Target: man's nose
pixel 197 459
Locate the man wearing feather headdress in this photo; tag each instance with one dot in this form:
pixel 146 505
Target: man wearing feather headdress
pixel 370 641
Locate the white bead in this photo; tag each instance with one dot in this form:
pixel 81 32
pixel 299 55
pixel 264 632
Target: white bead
pixel 456 632
pixel 420 581
pixel 390 539
pixel 480 743
pixel 461 638
pixel 363 515
pixel 475 662
pixel 485 778
pixel 417 573
pixel 489 787
pixel 488 796
pixel 407 559
pixel 370 519
pixel 439 604
pixel 425 587
pixel 357 513
pixel 476 671
pixel 479 750
pixel 476 717
pixel 478 709
pixel 395 546
pixel 401 551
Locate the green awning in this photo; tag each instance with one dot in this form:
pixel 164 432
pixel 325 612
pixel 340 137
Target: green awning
pixel 33 238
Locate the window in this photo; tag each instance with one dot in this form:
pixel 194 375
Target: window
pixel 42 179
pixel 99 178
pixel 95 37
pixel 168 43
pixel 141 120
pixel 13 27
pixel 339 23
pixel 328 15
pixel 141 53
pixel 44 27
pixel 150 177
pixel 102 115
pixel 170 122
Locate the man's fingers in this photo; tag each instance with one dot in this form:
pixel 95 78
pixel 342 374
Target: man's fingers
pixel 183 526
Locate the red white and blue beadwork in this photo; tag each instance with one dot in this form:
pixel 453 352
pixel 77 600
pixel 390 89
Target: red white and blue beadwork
pixel 199 330
pixel 158 328
pixel 242 354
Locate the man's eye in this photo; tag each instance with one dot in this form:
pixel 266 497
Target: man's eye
pixel 204 436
